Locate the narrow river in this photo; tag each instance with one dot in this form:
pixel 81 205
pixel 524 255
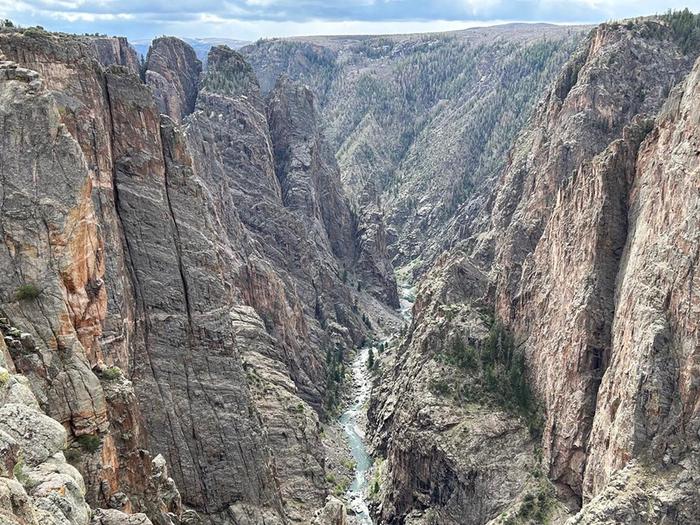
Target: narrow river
pixel 353 422
pixel 354 418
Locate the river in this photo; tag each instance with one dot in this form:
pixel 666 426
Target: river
pixel 353 420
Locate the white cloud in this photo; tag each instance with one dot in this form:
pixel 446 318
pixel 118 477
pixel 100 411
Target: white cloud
pixel 251 19
pixel 211 26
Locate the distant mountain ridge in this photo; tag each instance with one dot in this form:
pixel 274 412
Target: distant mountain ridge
pixel 418 120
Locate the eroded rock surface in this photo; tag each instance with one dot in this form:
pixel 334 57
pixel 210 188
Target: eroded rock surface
pixel 182 275
pixel 572 259
pixel 163 294
pixel 173 71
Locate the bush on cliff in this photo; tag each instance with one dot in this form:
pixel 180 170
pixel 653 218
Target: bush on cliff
pixel 89 442
pixel 499 368
pixel 111 373
pixel 27 292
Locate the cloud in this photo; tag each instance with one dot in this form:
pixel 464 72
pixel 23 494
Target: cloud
pixel 251 19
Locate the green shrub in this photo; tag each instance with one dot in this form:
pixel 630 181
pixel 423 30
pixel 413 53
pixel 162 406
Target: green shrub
pixel 505 376
pixel 111 373
pixel 21 476
pixel 439 387
pixel 297 409
pixel 335 374
pixel 27 292
pixel 537 506
pixel 685 27
pixel 341 487
pixel 18 472
pixel 89 442
pixel 499 368
pixel 463 355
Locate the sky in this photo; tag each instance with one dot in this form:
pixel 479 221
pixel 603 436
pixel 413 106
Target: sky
pixel 253 19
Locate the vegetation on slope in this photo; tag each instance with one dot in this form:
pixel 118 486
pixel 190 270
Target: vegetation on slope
pixel 496 367
pixel 686 29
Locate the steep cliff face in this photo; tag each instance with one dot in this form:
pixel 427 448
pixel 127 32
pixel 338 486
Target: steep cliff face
pixel 172 71
pixel 572 250
pixel 182 275
pixel 647 408
pixel 117 51
pixel 417 121
pixel 310 182
pixel 456 453
pixel 284 346
pixel 52 291
pixel 565 206
pixel 178 301
pixel 188 374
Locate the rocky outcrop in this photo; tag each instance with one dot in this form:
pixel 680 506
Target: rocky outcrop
pixel 114 517
pixel 455 454
pixel 333 513
pixel 54 270
pixel 418 121
pixel 116 51
pixel 169 299
pixel 575 262
pixel 310 183
pixel 172 71
pixel 298 311
pixel 647 407
pixel 37 485
pixel 563 209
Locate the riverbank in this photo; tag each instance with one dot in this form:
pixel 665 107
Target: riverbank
pixel 353 421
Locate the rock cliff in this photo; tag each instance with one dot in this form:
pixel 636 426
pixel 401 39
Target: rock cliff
pixel 570 254
pixel 172 70
pixel 178 298
pixel 416 121
pixel 189 258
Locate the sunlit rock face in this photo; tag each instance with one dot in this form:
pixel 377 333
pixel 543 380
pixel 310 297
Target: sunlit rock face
pixel 574 250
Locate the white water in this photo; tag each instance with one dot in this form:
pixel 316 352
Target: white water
pixel 352 423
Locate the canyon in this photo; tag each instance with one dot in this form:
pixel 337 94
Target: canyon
pixel 410 279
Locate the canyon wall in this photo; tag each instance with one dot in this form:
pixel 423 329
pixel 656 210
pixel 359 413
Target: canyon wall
pixel 187 261
pixel 182 255
pixel 418 121
pixel 582 257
